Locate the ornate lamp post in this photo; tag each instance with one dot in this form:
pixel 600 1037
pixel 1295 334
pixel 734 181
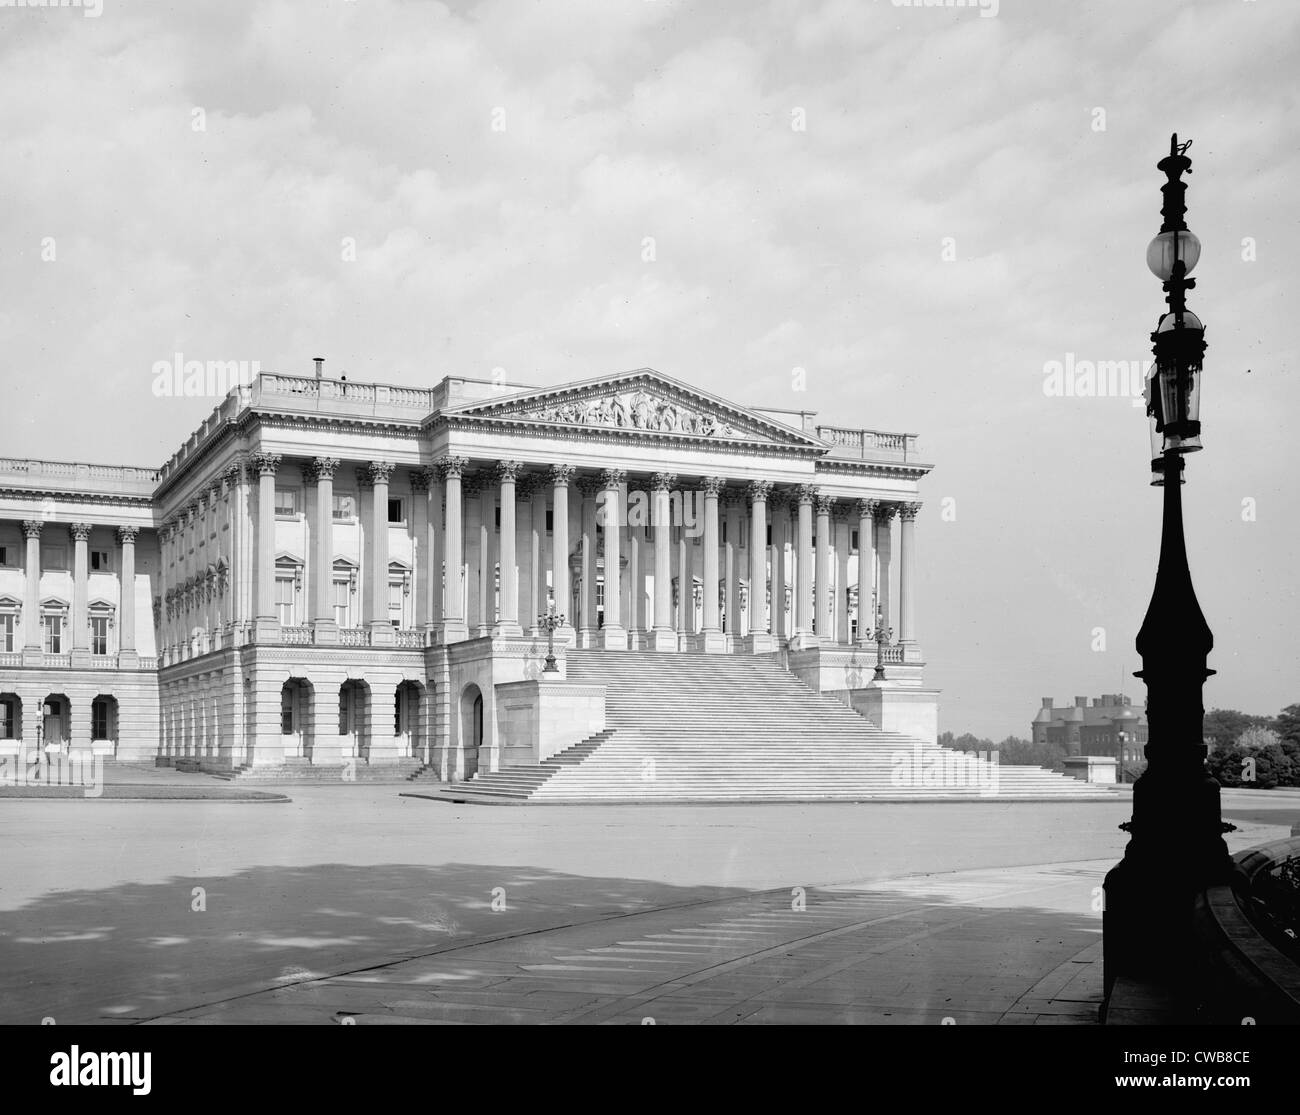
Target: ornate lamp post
pixel 881 635
pixel 549 623
pixel 1176 843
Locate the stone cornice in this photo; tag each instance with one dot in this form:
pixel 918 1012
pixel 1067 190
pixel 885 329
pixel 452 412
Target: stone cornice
pixel 92 498
pixel 873 468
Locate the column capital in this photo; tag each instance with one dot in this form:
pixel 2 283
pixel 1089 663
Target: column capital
pixel 824 503
pixel 380 471
pixel 79 532
pixel 507 472
pixel 839 511
pixel 452 466
pixel 233 472
pixel 612 478
pixel 807 494
pixel 265 463
pixel 712 485
pixel 32 528
pixel 421 478
pixel 214 491
pixel 590 486
pixel 866 508
pixel 472 484
pixel 908 511
pixel 759 490
pixel 779 500
pixel 663 481
pixel 322 468
pixel 530 484
pixel 885 512
pixel 561 475
pixel 126 535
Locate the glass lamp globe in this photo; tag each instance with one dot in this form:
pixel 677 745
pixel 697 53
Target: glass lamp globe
pixel 1170 246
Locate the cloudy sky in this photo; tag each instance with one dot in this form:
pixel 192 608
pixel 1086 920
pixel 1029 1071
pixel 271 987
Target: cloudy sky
pixel 923 208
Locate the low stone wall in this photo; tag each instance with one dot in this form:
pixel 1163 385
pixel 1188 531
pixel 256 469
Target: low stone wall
pixel 539 718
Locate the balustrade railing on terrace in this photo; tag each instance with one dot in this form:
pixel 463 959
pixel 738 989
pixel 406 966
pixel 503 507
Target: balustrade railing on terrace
pixel 870 443
pixel 295 635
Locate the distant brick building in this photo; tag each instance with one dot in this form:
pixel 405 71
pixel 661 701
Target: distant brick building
pixel 1109 724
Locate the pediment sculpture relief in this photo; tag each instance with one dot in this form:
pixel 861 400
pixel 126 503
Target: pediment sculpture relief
pixel 636 410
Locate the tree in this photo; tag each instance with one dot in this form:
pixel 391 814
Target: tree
pixel 1288 724
pixel 1224 726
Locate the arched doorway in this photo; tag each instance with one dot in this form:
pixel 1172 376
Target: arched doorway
pixel 471 728
pixel 296 697
pixel 354 697
pixel 56 723
pixel 408 726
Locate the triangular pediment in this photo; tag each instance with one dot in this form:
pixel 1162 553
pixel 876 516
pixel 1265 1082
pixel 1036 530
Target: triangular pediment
pixel 641 402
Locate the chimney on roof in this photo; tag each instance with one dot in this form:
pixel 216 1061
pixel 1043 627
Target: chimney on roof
pixel 320 366
pixel 1047 702
pixel 1081 702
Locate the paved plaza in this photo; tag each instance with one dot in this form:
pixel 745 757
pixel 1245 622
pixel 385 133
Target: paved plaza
pixel 356 903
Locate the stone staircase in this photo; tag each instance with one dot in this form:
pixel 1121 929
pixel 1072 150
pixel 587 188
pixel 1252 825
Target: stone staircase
pixel 696 727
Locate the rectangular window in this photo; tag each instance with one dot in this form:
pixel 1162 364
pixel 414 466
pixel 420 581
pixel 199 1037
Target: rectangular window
pixel 342 603
pixel 396 512
pixel 99 720
pixel 286 711
pixel 99 638
pixel 769 534
pixel 7 633
pixel 284 599
pixel 496 518
pixel 5 553
pixel 53 634
pixel 54 557
pixel 395 601
pixel 345 506
pixel 99 561
pixel 7 718
pixel 286 501
pixel 722 532
pixel 550 522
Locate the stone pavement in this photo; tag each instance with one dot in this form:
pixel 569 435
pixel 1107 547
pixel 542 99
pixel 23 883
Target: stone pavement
pixel 352 901
pixel 990 946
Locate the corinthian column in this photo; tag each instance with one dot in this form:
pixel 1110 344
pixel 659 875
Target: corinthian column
pixel 561 477
pixel 126 652
pixel 907 575
pixel 324 627
pixel 711 639
pixel 663 637
pixel 267 625
pixel 866 569
pixel 33 650
pixel 80 534
pixel 825 623
pixel 613 634
pixel 453 628
pixel 507 623
pixel 804 495
pixel 760 634
pixel 381 627
pixel 884 515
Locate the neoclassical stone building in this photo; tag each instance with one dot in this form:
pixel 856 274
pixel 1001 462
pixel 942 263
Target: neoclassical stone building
pixel 329 572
